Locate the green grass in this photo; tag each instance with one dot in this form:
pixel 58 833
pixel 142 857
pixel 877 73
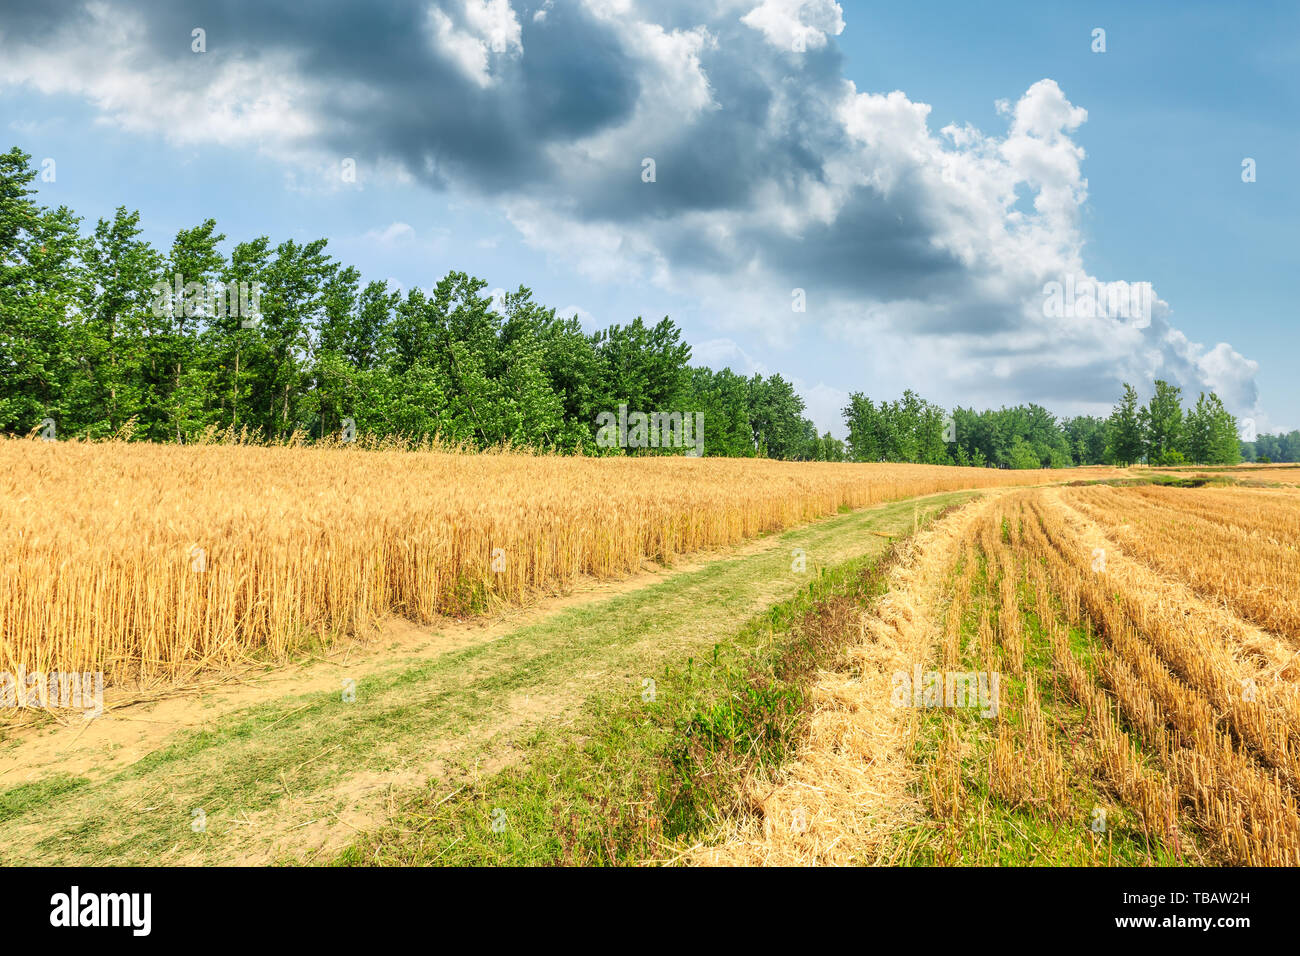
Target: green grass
pixel 18 800
pixel 1248 467
pixel 1167 481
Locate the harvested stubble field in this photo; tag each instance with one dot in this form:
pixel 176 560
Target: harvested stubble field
pixel 1232 545
pixel 158 561
pixel 1150 707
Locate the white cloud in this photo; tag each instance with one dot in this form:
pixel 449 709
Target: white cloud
pixel 673 89
pixel 981 336
pixel 490 27
pixel 587 320
pixel 600 251
pixel 394 232
pixel 796 25
pixel 726 353
pixel 242 99
pixel 825 406
pixel 496 23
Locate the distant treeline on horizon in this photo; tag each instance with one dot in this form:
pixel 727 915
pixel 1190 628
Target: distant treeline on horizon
pixel 103 335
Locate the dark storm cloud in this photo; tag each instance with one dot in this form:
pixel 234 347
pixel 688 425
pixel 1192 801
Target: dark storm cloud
pixel 1052 382
pixel 576 77
pixel 379 88
pixel 718 159
pixel 875 245
pixel 420 108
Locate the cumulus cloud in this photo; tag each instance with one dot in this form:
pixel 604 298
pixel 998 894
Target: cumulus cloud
pixel 726 353
pixel 796 25
pixel 931 253
pixel 824 405
pixel 489 28
pixel 93 50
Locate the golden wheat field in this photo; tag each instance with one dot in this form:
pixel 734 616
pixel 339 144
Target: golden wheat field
pixel 141 559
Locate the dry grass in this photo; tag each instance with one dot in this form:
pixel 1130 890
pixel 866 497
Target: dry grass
pixel 848 788
pixel 148 560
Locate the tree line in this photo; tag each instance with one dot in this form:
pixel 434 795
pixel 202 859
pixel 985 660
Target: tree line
pixel 1267 448
pixel 103 335
pixel 1028 436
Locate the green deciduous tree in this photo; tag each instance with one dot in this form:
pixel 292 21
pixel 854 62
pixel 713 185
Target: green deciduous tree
pixel 1125 443
pixel 1163 425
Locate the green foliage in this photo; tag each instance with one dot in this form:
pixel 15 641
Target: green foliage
pixel 1013 437
pixel 775 415
pixel 1211 433
pixel 1270 448
pixel 1023 455
pixel 39 285
pixel 723 398
pixel 1163 426
pixel 1087 439
pixel 1163 433
pixel 1124 430
pixel 108 336
pixel 1266 449
pixel 910 429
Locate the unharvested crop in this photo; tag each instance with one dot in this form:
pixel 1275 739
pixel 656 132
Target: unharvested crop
pixel 143 559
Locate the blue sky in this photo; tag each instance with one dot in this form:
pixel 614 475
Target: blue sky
pixel 510 145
